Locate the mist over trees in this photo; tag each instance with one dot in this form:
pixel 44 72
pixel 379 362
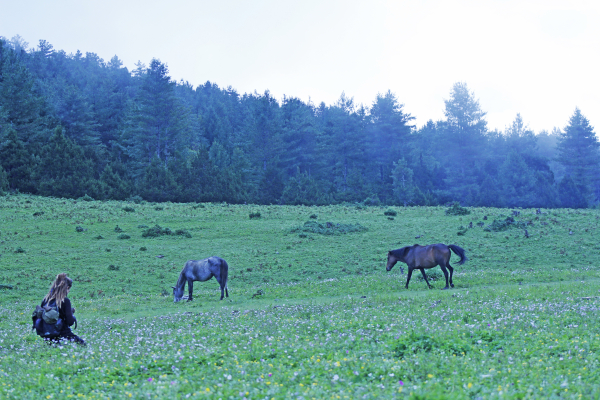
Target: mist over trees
pixel 73 125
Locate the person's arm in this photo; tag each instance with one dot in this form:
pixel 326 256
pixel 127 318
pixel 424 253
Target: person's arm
pixel 68 312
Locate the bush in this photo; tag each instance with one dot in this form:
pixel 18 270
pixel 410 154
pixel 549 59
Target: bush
pixel 313 216
pixel 135 199
pixel 38 213
pixel 198 206
pixel 156 231
pixel 183 232
pixel 86 198
pixel 329 228
pixel 142 226
pixel 456 209
pixel 118 229
pixel 372 201
pixel 254 215
pixel 113 268
pixel 128 209
pixel 433 275
pixel 508 223
pixel 79 229
pixel 20 250
pixel 99 237
pixel 123 236
pixel 390 212
pixel 158 208
pixel 143 248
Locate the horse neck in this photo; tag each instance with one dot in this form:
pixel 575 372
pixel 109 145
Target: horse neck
pixel 181 281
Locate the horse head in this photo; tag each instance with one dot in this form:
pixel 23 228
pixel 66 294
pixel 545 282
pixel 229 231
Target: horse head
pixel 177 294
pixel 391 261
pixel 394 256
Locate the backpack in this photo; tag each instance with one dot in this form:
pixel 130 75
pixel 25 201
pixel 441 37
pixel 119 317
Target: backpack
pixel 46 321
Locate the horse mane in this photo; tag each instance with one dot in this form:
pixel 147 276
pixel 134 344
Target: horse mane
pixel 398 252
pixel 181 280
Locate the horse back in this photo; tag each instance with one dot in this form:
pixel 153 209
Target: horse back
pixel 431 255
pixel 203 270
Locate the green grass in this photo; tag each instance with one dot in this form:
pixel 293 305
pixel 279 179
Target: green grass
pixel 309 315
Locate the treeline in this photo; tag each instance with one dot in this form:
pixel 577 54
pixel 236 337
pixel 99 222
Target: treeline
pixel 73 125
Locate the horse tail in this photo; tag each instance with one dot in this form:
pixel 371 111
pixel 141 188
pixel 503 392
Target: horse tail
pixel 459 251
pixel 224 272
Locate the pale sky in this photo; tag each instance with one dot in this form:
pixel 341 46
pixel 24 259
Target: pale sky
pixel 538 58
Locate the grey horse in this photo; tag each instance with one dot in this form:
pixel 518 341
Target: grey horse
pixel 201 270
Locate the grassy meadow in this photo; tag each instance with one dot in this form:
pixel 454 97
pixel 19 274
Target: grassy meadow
pixel 310 315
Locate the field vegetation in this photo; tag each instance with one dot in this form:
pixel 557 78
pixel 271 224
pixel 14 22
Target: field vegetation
pixel 312 312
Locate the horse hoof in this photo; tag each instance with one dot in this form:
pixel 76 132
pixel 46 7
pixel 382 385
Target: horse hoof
pixel 444 288
pixel 451 285
pixel 190 299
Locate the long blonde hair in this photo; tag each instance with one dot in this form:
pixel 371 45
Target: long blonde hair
pixel 58 290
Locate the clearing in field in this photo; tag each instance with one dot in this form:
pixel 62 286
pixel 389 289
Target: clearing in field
pixel 311 313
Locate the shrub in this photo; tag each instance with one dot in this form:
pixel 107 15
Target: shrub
pixel 38 213
pixel 391 218
pixel 456 209
pixel 99 237
pixel 372 201
pixel 20 250
pixel 432 275
pixel 86 198
pixel 118 229
pixel 198 206
pixel 135 199
pixel 79 229
pixel 329 228
pixel 508 223
pixel 390 212
pixel 254 215
pixel 158 208
pixel 142 226
pixel 461 230
pixel 128 209
pixel 123 236
pixel 156 231
pixel 143 248
pixel 313 216
pixel 183 232
pixel 113 268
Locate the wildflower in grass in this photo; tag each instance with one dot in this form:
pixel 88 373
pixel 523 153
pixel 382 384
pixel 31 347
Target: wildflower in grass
pixel 149 379
pixel 399 382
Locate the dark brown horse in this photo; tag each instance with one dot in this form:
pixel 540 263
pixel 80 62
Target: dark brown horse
pixel 425 257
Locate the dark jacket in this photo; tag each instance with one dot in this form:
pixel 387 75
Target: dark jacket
pixel 66 314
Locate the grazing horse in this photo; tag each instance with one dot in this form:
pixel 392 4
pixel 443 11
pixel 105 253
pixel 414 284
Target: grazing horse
pixel 201 270
pixel 425 257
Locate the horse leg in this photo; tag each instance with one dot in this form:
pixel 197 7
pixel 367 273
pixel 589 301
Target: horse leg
pixel 425 277
pixel 222 291
pixel 190 289
pixel 445 271
pixel 226 291
pixel 410 270
pixel 451 272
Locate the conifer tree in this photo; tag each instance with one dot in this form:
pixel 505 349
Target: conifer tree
pixel 578 153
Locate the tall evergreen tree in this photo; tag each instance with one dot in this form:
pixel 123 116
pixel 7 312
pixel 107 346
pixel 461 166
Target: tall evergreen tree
pixel 578 153
pixel 157 124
